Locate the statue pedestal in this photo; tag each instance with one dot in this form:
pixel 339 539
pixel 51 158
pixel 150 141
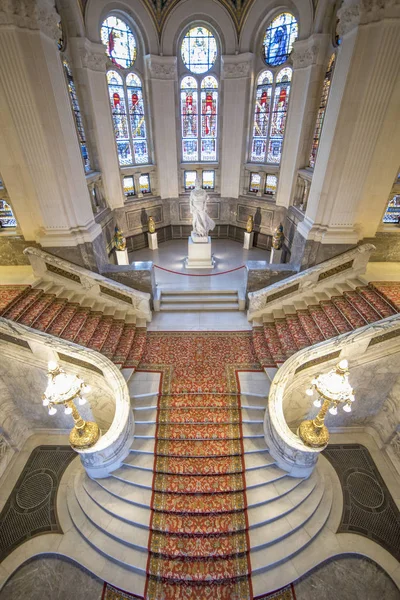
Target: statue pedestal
pixel 276 256
pixel 153 242
pixel 199 254
pixel 248 240
pixel 122 257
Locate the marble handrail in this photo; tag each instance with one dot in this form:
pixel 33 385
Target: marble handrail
pixel 47 266
pixel 112 447
pixel 290 453
pixel 349 264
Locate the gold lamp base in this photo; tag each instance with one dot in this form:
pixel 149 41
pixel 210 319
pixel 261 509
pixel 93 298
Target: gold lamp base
pixel 313 436
pixel 86 436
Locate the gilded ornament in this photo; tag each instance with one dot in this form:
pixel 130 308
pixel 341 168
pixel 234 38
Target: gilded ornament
pixel 250 224
pixel 119 240
pixel 151 225
pixel 278 237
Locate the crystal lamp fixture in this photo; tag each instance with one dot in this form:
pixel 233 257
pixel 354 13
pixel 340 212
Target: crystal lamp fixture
pixel 64 389
pixel 333 389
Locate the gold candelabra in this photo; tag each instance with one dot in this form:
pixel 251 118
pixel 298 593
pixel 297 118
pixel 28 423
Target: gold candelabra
pixel 63 389
pixel 333 389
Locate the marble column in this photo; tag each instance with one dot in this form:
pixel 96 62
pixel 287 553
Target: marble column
pixel 360 136
pixel 309 65
pixel 39 152
pixel 90 65
pixel 236 73
pixel 161 72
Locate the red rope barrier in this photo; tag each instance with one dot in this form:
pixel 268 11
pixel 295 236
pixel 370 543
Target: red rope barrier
pixel 200 275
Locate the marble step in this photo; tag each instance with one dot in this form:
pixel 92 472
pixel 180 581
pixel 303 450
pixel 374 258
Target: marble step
pixel 112 548
pixel 135 495
pixel 263 558
pixel 200 306
pixel 198 292
pixel 146 461
pixel 117 506
pixel 145 430
pixel 188 298
pixel 283 505
pixel 250 445
pixel 283 526
pixel 144 478
pixel 149 415
pixel 263 494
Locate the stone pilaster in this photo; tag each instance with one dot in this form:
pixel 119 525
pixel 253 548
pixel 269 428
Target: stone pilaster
pixel 236 73
pixel 90 65
pixel 39 150
pixel 162 75
pixel 309 65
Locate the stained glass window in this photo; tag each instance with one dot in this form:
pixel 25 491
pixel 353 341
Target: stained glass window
pixel 255 180
pixel 129 186
pixel 208 180
pixel 120 42
pixel 190 180
pixel 321 111
pixel 77 116
pixel 7 218
pixel 392 214
pixel 144 184
pixel 189 119
pixel 199 50
pixel 137 118
pixel 270 111
pixel 279 38
pixel 271 181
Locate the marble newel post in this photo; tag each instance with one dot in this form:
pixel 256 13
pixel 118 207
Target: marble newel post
pixel 236 73
pixel 309 66
pixel 360 137
pixel 90 65
pixel 39 152
pixel 162 74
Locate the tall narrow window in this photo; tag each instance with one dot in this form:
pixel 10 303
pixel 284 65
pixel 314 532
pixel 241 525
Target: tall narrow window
pixel 126 93
pixel 272 92
pixel 270 113
pixel 321 111
pixel 199 97
pixel 77 116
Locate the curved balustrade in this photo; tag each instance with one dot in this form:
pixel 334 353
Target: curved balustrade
pixel 346 265
pixel 285 446
pixel 112 447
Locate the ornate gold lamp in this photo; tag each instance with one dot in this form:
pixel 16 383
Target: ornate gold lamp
pixel 333 388
pixel 64 389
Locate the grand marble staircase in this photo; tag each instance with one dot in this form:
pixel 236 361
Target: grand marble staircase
pixel 92 323
pixel 321 316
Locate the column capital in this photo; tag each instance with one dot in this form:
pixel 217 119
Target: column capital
pixel 355 12
pixel 31 14
pixel 91 55
pixel 310 51
pixel 162 67
pixel 237 65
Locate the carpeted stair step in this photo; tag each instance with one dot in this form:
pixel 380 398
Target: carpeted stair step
pixel 285 337
pixel 341 323
pixel 198 415
pixel 261 349
pixel 11 294
pixel 312 330
pixel 91 324
pixel 389 290
pixel 376 300
pixel 113 338
pixel 198 525
pixel 16 310
pixel 59 324
pixel 201 570
pixel 29 316
pixel 198 547
pixel 273 343
pixel 125 344
pixel 195 448
pixel 362 306
pixel 49 314
pixel 137 348
pixel 349 311
pixel 323 322
pixel 76 324
pixel 100 334
pixel 299 336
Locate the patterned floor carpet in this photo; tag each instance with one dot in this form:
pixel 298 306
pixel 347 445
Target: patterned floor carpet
pixel 199 547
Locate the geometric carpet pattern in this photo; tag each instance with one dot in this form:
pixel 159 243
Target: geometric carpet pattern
pixel 199 545
pixel 276 341
pixel 31 508
pixel 368 507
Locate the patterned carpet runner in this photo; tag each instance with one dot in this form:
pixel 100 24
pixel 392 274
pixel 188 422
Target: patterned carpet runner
pixel 199 546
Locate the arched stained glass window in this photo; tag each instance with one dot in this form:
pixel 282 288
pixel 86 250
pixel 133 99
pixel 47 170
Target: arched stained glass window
pixel 272 97
pixel 321 111
pixel 209 117
pixel 199 50
pixel 126 94
pixel 279 38
pixel 77 117
pixel 120 42
pixel 189 118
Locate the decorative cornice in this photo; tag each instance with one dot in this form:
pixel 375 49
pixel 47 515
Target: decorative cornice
pixel 31 14
pixel 162 67
pixel 356 12
pixel 349 17
pixel 304 57
pixel 237 66
pixel 93 60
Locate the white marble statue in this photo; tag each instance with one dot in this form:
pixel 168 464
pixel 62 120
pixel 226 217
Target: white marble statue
pixel 201 222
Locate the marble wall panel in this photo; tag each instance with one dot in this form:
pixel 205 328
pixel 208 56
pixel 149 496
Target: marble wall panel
pixel 213 209
pixel 138 218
